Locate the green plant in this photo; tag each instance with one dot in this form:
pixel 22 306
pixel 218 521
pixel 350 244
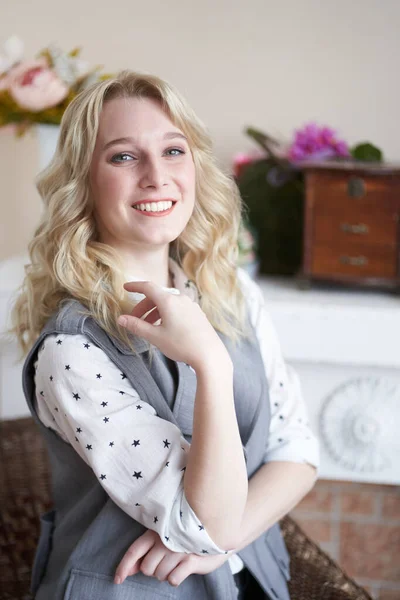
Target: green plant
pixel 273 190
pixel 366 152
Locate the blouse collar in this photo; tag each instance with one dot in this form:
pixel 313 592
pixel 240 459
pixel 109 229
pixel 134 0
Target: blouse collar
pixel 181 284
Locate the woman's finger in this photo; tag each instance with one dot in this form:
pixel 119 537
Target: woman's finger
pixel 179 574
pixel 130 562
pixel 153 316
pixel 139 327
pixel 148 288
pixel 170 561
pixel 143 307
pixel 152 559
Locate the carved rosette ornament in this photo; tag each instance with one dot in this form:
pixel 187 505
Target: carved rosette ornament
pixel 360 424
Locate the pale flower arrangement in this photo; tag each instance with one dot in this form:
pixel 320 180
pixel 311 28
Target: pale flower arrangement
pixel 39 90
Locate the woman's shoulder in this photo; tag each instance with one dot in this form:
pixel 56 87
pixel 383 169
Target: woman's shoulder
pixel 249 286
pixel 258 311
pixel 252 293
pixel 61 350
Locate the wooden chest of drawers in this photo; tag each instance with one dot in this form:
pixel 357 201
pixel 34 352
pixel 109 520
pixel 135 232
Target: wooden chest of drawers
pixel 351 225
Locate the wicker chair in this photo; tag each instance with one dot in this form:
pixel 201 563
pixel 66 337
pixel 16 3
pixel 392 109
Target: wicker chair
pixel 25 494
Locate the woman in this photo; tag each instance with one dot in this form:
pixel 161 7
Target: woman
pixel 176 434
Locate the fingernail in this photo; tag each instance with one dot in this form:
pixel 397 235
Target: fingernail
pixel 118 579
pixel 122 321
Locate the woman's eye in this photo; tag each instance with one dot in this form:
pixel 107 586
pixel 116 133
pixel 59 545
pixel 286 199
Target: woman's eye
pixel 121 157
pixel 174 151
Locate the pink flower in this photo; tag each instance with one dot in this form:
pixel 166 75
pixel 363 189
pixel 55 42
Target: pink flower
pixel 241 159
pixel 34 86
pixel 342 148
pixel 314 142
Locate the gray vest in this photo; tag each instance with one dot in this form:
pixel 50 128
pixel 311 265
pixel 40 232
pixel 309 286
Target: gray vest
pixel 86 534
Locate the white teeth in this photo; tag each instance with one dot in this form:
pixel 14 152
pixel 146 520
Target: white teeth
pixel 154 206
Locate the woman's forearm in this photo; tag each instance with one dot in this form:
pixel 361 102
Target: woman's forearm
pixel 274 490
pixel 215 480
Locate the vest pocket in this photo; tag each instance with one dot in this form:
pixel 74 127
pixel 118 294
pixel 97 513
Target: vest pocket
pixel 87 585
pixel 43 549
pixel 277 545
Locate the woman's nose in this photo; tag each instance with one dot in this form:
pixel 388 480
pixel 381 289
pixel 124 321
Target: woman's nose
pixel 153 174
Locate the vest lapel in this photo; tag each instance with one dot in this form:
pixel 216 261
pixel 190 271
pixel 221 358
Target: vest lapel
pixel 185 398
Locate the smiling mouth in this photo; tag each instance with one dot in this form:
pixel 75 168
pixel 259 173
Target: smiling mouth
pixel 155 209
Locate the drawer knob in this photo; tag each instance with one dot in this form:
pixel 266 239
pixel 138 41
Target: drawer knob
pixel 361 228
pixel 355 261
pixel 355 187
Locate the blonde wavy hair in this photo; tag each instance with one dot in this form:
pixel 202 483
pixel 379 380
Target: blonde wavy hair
pixel 68 260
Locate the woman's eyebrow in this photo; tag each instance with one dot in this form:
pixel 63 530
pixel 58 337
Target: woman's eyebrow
pixel 123 140
pixel 129 140
pixel 175 134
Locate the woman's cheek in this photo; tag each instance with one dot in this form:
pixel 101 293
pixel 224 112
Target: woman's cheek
pixel 111 185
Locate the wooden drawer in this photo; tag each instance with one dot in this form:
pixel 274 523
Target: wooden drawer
pixel 354 260
pixel 351 226
pixel 355 226
pixel 340 189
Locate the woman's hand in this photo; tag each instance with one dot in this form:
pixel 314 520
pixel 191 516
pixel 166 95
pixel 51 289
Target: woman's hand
pixel 196 564
pixel 149 555
pixel 184 334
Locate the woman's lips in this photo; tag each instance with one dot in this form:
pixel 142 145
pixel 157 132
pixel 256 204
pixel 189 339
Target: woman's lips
pixel 162 213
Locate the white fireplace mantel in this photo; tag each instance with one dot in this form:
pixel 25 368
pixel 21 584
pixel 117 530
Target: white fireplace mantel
pixel 333 324
pixel 345 346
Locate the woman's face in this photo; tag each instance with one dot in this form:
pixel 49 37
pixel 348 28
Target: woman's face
pixel 140 159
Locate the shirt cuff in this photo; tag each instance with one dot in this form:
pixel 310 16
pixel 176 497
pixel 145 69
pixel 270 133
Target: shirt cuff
pixel 290 452
pixel 187 534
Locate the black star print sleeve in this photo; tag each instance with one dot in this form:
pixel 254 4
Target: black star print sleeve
pixel 290 437
pixel 139 459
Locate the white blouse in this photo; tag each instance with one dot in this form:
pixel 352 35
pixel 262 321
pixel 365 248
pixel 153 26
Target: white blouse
pixel 139 458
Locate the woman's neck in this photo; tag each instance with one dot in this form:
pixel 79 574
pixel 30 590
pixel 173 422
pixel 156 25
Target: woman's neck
pixel 149 268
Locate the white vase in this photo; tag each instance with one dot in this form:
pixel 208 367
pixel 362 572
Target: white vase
pixel 47 136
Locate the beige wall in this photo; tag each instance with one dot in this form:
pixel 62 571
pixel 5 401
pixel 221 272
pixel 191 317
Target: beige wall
pixel 270 64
